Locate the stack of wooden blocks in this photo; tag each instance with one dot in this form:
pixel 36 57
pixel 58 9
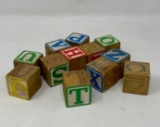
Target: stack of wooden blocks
pixel 78 64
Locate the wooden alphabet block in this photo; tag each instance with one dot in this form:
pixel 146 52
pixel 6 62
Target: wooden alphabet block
pixel 136 77
pixel 77 88
pixel 119 57
pixel 103 73
pixel 23 81
pixel 76 57
pixel 28 57
pixel 52 68
pixel 108 42
pixel 54 46
pixel 93 50
pixel 76 39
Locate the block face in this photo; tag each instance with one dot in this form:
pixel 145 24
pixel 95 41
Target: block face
pixel 77 39
pixel 17 88
pixel 77 96
pixel 55 46
pixel 108 42
pixel 56 74
pixel 136 77
pixel 28 57
pixel 73 52
pixel 96 79
pixel 95 56
pixel 116 55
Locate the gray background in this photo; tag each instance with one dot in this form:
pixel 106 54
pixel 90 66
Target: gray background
pixel 29 24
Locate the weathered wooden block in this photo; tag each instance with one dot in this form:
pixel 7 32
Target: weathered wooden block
pixel 136 77
pixel 103 73
pixel 76 39
pixel 28 57
pixel 119 57
pixel 54 46
pixel 23 81
pixel 76 57
pixel 52 68
pixel 93 50
pixel 77 88
pixel 108 42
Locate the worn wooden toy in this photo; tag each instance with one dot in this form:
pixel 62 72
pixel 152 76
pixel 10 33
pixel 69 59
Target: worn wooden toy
pixel 28 57
pixel 76 57
pixel 136 77
pixel 76 39
pixel 52 68
pixel 108 42
pixel 77 88
pixel 93 50
pixel 23 81
pixel 103 72
pixel 119 57
pixel 54 46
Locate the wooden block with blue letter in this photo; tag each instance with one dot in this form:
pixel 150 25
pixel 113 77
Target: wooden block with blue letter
pixel 23 81
pixel 103 73
pixel 54 46
pixel 28 57
pixel 52 68
pixel 119 57
pixel 77 58
pixel 93 50
pixel 136 77
pixel 76 39
pixel 108 42
pixel 77 88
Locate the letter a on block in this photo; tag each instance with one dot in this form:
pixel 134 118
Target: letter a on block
pixel 77 96
pixel 96 79
pixel 57 45
pixel 115 55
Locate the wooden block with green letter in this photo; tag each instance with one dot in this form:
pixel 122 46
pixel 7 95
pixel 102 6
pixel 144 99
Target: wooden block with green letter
pixel 93 50
pixel 103 72
pixel 77 88
pixel 119 57
pixel 108 42
pixel 28 57
pixel 77 58
pixel 52 68
pixel 23 81
pixel 136 77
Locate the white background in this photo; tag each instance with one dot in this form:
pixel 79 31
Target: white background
pixel 29 24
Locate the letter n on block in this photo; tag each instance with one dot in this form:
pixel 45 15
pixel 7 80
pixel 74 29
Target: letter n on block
pixel 77 58
pixel 119 57
pixel 28 57
pixel 77 88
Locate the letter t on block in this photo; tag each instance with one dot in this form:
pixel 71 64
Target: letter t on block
pixel 77 88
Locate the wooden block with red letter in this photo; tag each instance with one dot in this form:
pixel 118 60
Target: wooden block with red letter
pixel 77 58
pixel 23 81
pixel 76 39
pixel 52 68
pixel 54 46
pixel 77 88
pixel 28 57
pixel 136 77
pixel 103 73
pixel 93 50
pixel 108 42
